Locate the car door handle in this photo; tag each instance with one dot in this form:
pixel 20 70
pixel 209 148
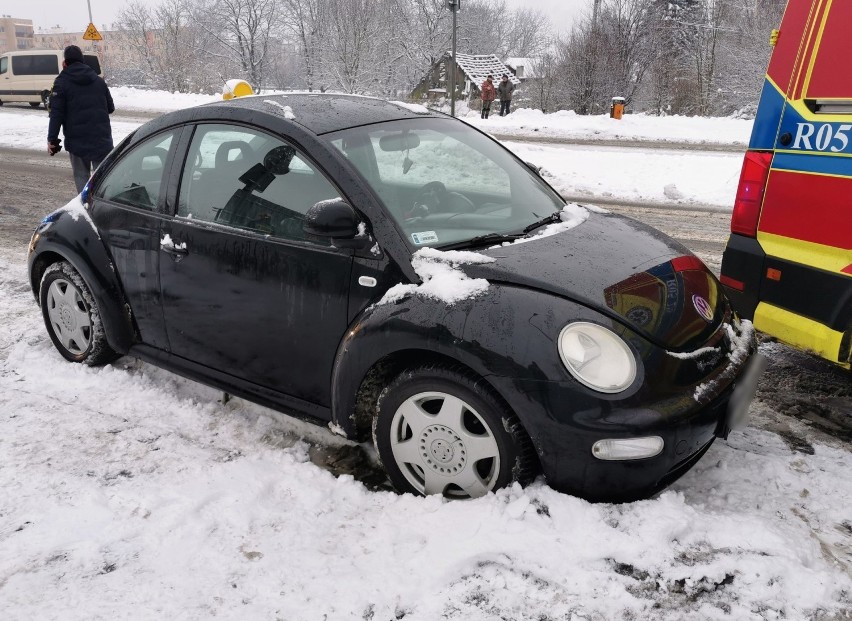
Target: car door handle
pixel 175 251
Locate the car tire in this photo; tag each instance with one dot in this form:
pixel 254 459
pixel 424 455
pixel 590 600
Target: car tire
pixel 72 317
pixel 442 430
pixel 35 104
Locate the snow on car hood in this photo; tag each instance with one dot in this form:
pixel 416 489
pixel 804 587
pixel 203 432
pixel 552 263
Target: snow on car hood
pixel 621 268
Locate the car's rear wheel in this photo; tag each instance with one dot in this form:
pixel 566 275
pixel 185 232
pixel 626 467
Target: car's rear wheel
pixel 442 431
pixel 72 317
pixel 35 104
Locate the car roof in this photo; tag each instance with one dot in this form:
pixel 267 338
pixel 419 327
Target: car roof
pixel 322 113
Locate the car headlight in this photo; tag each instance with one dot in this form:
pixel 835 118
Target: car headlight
pixel 597 357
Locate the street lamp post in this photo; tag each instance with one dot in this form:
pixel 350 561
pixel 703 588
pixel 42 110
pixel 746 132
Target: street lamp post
pixel 454 6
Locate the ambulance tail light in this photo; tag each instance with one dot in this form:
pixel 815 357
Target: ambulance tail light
pixel 750 192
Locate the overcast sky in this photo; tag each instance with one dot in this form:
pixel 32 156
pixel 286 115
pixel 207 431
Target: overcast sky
pixel 561 12
pixel 74 15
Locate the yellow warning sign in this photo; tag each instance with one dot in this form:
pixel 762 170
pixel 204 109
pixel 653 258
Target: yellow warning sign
pixel 92 34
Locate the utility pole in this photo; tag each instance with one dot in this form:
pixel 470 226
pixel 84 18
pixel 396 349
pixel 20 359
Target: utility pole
pixel 454 6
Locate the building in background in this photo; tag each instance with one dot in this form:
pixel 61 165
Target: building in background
pixel 115 52
pixel 471 71
pixel 15 34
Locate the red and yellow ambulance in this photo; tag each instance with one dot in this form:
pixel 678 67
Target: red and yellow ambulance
pixel 788 262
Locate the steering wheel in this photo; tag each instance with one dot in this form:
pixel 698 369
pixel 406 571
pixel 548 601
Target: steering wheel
pixel 433 197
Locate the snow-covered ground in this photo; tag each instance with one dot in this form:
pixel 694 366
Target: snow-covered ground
pixel 669 176
pixel 632 127
pixel 127 492
pixel 129 99
pixel 640 174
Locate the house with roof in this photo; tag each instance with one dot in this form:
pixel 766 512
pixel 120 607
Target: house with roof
pixel 524 68
pixel 471 71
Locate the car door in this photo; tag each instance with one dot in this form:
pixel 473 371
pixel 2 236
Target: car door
pixel 245 291
pixel 127 208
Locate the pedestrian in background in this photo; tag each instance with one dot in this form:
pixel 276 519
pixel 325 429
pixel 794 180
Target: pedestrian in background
pixel 80 103
pixel 489 94
pixel 505 90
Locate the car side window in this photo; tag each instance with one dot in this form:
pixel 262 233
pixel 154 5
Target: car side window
pixel 4 64
pixel 250 180
pixel 136 179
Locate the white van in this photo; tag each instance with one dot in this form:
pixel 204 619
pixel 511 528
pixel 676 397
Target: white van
pixel 28 76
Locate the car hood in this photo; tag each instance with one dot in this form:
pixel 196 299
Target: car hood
pixel 623 269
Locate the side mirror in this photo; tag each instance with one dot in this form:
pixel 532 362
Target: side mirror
pixel 332 218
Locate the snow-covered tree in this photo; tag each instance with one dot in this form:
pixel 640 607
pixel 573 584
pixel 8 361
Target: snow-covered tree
pixel 243 30
pixel 164 41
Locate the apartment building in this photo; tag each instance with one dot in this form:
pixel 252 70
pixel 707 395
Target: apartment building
pixel 16 34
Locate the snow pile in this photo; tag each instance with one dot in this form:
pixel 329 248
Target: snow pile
pixel 569 125
pixel 76 209
pixel 25 130
pixel 658 175
pixel 442 277
pixel 571 216
pixel 127 492
pixel 144 100
pixel 412 107
pixel 286 111
pixel 168 243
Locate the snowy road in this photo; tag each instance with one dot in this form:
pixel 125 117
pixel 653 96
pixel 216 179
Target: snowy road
pixel 128 492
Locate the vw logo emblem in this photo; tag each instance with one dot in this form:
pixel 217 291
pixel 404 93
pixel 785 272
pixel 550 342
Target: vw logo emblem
pixel 703 308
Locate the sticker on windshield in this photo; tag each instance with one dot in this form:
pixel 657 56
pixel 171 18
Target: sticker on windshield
pixel 426 237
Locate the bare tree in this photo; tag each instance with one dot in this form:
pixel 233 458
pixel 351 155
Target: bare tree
pixel 304 21
pixel 529 34
pixel 544 89
pixel 625 46
pixel 243 30
pixel 164 43
pixel 366 46
pixel 745 55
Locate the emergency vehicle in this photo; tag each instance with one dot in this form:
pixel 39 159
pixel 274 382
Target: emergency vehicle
pixel 788 261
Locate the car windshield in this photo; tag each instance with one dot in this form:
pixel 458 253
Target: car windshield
pixel 445 183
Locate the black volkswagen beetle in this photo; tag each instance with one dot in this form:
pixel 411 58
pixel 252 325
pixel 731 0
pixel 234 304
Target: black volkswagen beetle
pixel 394 272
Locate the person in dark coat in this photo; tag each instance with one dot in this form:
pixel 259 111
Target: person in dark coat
pixel 489 94
pixel 80 103
pixel 505 90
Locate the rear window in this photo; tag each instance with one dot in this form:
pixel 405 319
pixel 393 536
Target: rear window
pixel 36 64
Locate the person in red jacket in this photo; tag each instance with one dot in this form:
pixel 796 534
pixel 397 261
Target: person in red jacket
pixel 489 93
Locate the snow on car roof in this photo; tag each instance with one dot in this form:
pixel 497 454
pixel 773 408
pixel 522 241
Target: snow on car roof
pixel 323 113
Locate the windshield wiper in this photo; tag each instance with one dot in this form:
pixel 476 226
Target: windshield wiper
pixel 490 238
pixel 550 219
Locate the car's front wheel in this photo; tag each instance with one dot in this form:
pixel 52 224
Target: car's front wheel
pixel 72 317
pixel 442 431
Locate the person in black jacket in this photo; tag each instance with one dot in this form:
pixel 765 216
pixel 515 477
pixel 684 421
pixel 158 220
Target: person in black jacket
pixel 80 103
pixel 504 91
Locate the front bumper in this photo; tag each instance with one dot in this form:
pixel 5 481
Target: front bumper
pixel 564 428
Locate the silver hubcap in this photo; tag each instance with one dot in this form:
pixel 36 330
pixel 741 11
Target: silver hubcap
pixel 443 446
pixel 69 316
